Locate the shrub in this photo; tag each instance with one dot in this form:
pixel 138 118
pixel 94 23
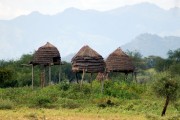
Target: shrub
pixel 70 104
pixel 64 85
pixel 6 104
pixel 42 101
pixel 177 106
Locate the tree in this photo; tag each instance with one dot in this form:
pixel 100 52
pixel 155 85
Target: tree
pixel 174 55
pixel 137 59
pixel 168 88
pixel 174 69
pixel 160 64
pixel 6 76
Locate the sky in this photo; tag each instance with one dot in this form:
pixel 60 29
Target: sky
pixel 10 9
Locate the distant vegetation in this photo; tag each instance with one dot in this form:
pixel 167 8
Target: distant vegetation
pixel 156 77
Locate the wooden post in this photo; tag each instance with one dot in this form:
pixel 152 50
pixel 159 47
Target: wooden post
pixel 44 76
pixel 41 79
pixel 91 80
pixel 135 75
pixel 105 77
pixel 49 74
pixel 102 84
pixel 132 76
pixel 32 76
pixel 82 78
pixel 77 77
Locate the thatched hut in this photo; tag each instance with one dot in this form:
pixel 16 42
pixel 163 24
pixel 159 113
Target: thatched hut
pixel 87 60
pixel 118 61
pixel 46 55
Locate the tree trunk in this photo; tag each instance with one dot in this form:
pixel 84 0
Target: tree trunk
pixel 165 106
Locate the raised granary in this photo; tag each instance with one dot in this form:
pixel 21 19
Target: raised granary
pixel 47 54
pixel 118 61
pixel 89 60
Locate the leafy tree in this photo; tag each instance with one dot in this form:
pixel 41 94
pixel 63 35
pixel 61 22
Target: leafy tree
pixel 137 59
pixel 174 55
pixel 160 64
pixel 6 78
pixel 168 88
pixel 174 69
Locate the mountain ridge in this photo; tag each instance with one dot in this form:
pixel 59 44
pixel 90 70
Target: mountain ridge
pixel 151 44
pixel 69 31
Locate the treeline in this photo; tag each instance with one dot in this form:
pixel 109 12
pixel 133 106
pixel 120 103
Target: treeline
pixel 14 74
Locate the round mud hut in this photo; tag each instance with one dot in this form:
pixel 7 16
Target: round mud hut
pixel 118 61
pixel 87 60
pixel 46 56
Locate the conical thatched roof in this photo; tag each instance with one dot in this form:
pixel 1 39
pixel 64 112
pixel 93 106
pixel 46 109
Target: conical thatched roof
pixel 89 60
pixel 46 55
pixel 118 61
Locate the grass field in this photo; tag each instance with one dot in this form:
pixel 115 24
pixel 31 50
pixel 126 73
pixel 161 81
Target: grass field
pixel 120 101
pixel 78 114
pixel 64 114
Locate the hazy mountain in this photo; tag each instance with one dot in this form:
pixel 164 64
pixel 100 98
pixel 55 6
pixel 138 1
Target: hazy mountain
pixel 151 44
pixel 69 57
pixel 73 28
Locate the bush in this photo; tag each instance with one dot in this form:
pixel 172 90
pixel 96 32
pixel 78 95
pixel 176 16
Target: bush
pixel 42 101
pixel 64 85
pixel 122 90
pixel 6 104
pixel 70 104
pixel 177 106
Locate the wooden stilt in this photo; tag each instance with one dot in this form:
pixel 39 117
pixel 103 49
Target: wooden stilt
pixel 41 79
pixel 32 76
pixel 49 74
pixel 126 76
pixel 91 80
pixel 77 78
pixel 102 84
pixel 82 78
pixel 44 76
pixel 135 75
pixel 132 76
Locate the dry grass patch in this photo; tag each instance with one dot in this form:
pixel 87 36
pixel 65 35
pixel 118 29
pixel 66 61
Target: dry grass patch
pixel 63 114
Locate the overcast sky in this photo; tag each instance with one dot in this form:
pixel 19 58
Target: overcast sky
pixel 13 8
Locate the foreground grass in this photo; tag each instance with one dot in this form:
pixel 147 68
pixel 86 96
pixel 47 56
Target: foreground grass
pixel 120 101
pixel 65 114
pixel 78 114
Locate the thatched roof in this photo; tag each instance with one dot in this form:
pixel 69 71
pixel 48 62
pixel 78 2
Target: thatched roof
pixel 89 60
pixel 47 54
pixel 118 61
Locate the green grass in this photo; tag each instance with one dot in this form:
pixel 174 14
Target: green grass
pixel 119 97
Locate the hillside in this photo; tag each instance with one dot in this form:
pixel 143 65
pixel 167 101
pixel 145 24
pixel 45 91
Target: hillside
pixel 73 28
pixel 151 44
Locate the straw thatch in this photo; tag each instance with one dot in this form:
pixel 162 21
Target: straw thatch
pixel 89 60
pixel 118 61
pixel 47 54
